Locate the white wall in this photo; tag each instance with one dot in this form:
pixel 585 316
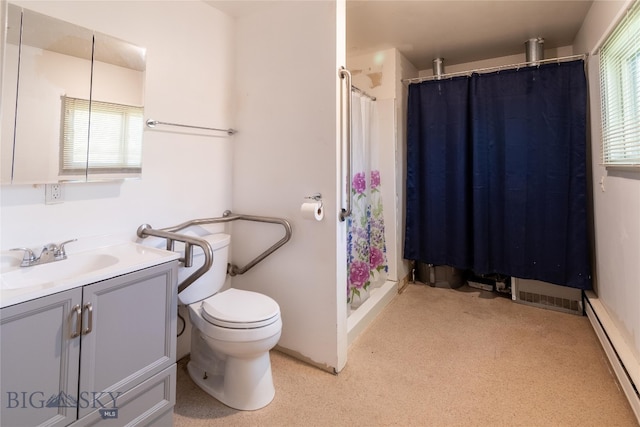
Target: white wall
pixel 286 104
pixel 616 201
pixel 375 73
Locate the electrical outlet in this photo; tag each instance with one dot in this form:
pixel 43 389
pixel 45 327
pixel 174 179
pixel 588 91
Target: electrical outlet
pixel 53 194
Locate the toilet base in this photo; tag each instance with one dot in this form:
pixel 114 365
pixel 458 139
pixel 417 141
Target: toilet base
pixel 247 383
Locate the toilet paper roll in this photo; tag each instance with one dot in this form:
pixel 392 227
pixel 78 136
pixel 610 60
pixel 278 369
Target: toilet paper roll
pixel 312 211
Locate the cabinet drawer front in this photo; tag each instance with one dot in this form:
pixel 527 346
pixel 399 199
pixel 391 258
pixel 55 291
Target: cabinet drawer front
pixel 133 330
pixel 39 361
pixel 143 405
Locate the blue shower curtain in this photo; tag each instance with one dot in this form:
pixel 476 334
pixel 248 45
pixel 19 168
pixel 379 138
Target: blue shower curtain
pixel 523 181
pixel 438 197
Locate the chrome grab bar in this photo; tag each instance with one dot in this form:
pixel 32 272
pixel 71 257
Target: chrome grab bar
pixel 146 230
pixel 346 94
pixel 170 233
pixel 228 216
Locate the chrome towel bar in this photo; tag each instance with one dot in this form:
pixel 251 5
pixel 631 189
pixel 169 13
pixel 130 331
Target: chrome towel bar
pixel 153 123
pixel 170 233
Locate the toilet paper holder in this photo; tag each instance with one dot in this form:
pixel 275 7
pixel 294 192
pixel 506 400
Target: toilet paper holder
pixel 317 197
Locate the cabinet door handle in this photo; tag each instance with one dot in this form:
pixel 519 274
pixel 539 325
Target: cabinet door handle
pixel 78 312
pixel 89 327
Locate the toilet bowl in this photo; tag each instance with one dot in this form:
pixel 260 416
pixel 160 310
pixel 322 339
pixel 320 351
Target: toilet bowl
pixel 232 333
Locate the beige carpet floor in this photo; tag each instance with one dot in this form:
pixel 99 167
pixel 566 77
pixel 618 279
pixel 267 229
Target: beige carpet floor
pixel 441 357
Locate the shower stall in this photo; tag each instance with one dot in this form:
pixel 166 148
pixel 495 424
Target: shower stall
pixel 368 289
pixel 376 184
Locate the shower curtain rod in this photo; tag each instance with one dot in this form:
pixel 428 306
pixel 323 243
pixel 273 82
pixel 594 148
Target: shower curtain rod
pixel 363 93
pixel 496 68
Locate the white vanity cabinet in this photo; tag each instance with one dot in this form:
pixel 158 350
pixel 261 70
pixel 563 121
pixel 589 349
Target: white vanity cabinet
pixel 103 353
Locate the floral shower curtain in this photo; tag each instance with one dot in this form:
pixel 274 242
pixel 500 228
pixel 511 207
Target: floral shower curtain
pixel 366 249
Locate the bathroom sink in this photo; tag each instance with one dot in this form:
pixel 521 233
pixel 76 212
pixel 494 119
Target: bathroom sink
pixel 83 267
pixel 72 267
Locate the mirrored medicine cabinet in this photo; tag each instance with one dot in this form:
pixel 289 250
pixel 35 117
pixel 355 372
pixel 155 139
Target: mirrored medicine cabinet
pixel 72 102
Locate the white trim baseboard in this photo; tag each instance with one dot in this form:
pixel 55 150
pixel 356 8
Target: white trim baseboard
pixel 621 359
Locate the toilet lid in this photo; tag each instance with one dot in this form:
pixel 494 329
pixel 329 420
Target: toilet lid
pixel 235 308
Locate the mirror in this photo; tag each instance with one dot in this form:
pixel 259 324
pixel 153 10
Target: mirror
pixel 54 63
pixel 117 106
pixel 11 48
pixel 78 106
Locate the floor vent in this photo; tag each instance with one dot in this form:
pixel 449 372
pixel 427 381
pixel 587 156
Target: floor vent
pixel 551 302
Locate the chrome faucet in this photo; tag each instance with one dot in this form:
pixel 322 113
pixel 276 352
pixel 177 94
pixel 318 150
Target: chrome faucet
pixel 50 253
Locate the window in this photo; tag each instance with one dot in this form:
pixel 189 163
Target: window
pixel 115 137
pixel 620 92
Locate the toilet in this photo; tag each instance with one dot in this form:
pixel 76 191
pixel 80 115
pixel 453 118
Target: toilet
pixel 231 334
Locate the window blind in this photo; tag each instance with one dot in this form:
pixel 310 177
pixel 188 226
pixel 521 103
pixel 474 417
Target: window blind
pixel 620 92
pixel 113 132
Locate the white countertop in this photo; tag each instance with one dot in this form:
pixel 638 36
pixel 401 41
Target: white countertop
pixel 20 284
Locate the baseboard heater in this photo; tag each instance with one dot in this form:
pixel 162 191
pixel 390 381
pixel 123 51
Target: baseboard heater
pixel 614 348
pixel 547 295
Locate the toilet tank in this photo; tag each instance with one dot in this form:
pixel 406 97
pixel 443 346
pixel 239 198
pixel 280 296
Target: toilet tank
pixel 213 280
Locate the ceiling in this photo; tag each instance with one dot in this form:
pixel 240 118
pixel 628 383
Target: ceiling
pixel 460 31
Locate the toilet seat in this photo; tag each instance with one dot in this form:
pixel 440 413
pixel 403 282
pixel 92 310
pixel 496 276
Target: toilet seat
pixel 239 309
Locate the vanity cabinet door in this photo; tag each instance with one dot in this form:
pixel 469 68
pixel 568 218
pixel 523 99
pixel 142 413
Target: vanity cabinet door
pixel 129 332
pixel 39 358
